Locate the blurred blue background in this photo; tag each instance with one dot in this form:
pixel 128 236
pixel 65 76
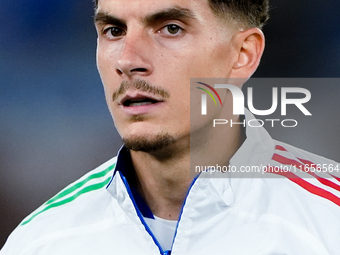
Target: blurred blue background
pixel 54 123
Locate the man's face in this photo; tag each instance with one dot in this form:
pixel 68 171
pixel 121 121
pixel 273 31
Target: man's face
pixel 161 44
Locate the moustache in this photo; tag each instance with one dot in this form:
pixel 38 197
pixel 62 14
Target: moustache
pixel 140 85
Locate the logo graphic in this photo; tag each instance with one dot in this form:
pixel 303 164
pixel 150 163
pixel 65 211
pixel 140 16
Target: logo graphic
pixel 239 99
pixel 204 97
pixel 281 100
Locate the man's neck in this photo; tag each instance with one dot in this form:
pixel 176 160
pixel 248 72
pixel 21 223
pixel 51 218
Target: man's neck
pixel 164 181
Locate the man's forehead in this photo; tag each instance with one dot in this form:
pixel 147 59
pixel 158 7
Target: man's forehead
pixel 142 8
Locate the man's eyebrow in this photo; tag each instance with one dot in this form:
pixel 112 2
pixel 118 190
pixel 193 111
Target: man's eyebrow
pixel 168 14
pixel 105 18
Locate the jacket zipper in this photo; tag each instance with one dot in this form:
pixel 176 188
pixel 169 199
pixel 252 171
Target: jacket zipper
pixel 168 252
pixel 180 215
pixel 142 219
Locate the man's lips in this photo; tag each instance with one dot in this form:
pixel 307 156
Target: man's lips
pixel 139 103
pixel 136 99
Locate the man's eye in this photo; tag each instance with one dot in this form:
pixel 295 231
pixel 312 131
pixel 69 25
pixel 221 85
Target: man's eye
pixel 114 32
pixel 171 29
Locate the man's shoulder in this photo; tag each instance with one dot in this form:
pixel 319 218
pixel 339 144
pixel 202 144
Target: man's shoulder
pixel 70 196
pixel 79 204
pixel 302 192
pixel 310 184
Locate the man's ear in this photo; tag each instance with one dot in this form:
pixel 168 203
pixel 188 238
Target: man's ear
pixel 249 45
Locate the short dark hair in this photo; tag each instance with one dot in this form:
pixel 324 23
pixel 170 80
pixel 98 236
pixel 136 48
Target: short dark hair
pixel 252 13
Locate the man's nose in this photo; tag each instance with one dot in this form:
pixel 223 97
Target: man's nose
pixel 135 58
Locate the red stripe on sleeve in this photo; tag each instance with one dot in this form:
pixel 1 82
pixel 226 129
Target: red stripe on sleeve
pixel 307 162
pixel 306 169
pixel 280 148
pixel 306 185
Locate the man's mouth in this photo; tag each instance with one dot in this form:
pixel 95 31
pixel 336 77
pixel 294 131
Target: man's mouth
pixel 138 102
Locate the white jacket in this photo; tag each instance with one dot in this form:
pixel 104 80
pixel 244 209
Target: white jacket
pixel 243 216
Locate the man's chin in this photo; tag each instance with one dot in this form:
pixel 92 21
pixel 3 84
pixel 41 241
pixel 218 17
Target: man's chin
pixel 148 144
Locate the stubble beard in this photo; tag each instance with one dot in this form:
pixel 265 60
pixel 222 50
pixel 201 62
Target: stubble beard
pixel 147 144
